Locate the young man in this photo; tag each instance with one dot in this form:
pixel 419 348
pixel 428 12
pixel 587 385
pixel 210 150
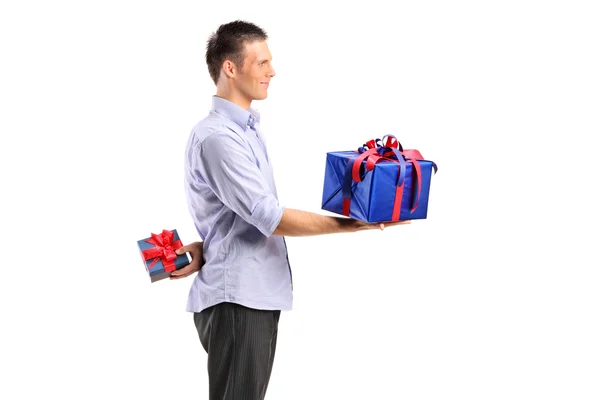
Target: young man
pixel 246 279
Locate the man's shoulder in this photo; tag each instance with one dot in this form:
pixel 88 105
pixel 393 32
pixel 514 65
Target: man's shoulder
pixel 215 127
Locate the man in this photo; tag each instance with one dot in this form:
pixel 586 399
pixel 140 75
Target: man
pixel 246 279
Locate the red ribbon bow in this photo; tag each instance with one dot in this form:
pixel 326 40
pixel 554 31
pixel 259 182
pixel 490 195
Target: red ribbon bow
pixel 372 156
pixel 164 250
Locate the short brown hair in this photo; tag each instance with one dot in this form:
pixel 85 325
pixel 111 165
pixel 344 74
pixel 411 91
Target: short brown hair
pixel 228 43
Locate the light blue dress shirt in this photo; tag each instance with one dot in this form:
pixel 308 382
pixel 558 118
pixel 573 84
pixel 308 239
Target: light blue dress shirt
pixel 232 198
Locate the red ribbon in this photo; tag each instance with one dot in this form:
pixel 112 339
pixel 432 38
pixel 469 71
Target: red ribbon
pixel 411 156
pixel 164 250
pixel 372 156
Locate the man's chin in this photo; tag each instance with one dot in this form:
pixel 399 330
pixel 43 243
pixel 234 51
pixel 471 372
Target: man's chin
pixel 261 96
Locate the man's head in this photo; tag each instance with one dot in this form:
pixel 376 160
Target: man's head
pixel 239 60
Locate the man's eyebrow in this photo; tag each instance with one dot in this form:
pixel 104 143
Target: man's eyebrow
pixel 264 60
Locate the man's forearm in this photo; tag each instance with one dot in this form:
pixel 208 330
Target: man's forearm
pixel 303 223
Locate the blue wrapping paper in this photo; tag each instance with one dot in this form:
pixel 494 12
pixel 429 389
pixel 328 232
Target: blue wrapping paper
pixel 372 199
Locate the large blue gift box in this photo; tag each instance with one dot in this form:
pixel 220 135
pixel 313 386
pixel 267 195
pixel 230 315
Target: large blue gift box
pixel 158 254
pixel 378 183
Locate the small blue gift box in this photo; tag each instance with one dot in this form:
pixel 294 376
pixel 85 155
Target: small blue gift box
pixel 158 254
pixel 378 183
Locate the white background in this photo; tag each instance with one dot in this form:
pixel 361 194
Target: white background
pixel 494 296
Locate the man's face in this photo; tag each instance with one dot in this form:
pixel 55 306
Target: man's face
pixel 253 79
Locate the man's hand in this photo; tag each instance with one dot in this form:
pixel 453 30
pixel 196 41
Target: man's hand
pixel 305 223
pixel 365 225
pixel 195 249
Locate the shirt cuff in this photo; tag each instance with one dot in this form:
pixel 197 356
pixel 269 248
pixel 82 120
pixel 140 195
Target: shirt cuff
pixel 267 215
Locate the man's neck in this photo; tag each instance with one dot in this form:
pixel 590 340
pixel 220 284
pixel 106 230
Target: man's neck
pixel 234 97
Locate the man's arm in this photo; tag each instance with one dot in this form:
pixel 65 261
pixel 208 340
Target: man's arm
pixel 228 167
pixel 303 223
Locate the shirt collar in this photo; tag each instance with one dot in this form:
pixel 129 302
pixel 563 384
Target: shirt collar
pixel 235 113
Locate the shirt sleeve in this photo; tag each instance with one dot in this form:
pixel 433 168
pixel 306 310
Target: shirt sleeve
pixel 228 168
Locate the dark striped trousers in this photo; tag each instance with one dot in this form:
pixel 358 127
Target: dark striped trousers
pixel 240 343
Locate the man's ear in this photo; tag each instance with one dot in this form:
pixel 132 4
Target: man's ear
pixel 229 68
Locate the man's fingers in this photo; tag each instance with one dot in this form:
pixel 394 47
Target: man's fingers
pixel 191 267
pixel 181 274
pixel 173 277
pixel 383 225
pixel 192 248
pixel 183 249
pixel 398 223
pixel 188 268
